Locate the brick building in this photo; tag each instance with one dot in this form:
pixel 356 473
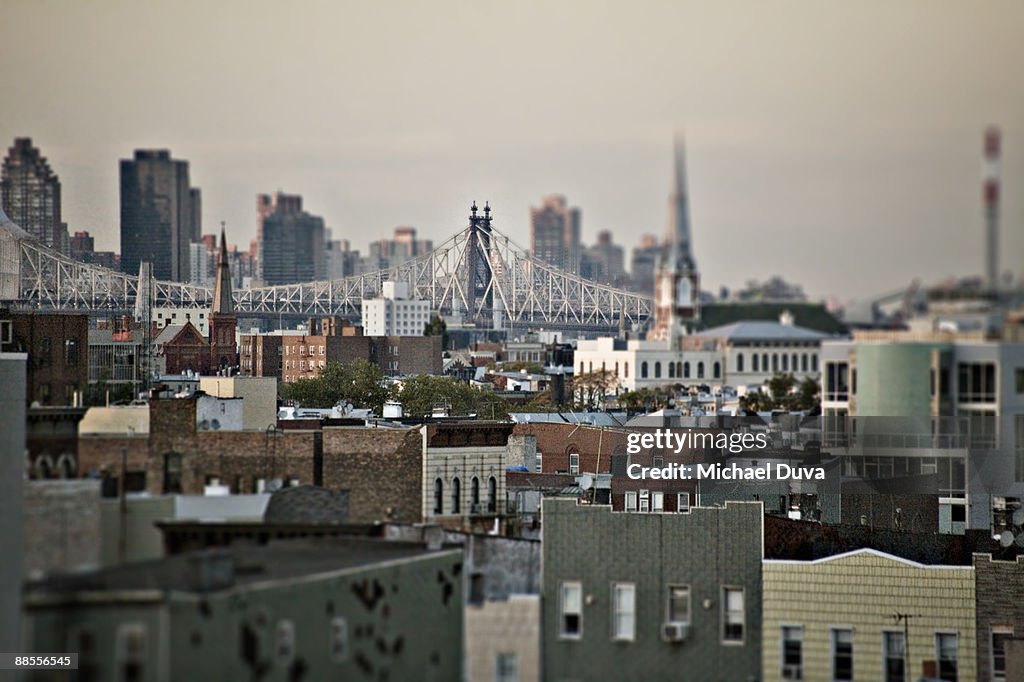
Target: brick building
pixel 58 357
pixel 333 340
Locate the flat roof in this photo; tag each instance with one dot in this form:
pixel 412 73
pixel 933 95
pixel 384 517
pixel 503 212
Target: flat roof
pixel 276 561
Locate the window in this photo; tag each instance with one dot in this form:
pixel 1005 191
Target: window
pixel 894 652
pixel 506 668
pixel 572 610
pixel 631 501
pixel 625 370
pixel 438 496
pixel 456 495
pixel 623 611
pixel 71 353
pixel 842 654
pixel 755 362
pixel 946 655
pixel 643 370
pixel 717 370
pixel 734 615
pixel 976 382
pixel 492 495
pixel 836 387
pixel 792 652
pixel 130 649
pixel 739 362
pixel 540 460
pixel 678 610
pixel 574 463
pixel 657 370
pixel 658 502
pixel 474 494
pixel 686 370
pixel 785 362
pixel 339 639
pixel 645 500
pixel 1000 635
pixel 284 645
pixel 659 461
pixel 682 502
pixel 671 370
pixel 700 370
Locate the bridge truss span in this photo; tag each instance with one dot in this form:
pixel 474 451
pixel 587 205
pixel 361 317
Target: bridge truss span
pixel 478 275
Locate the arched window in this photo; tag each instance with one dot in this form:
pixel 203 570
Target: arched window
pixel 814 363
pixel 492 495
pixel 686 370
pixel 775 362
pixel 717 369
pixel 43 466
pixel 700 370
pixel 172 473
pixel 438 496
pixel 66 467
pixel 671 370
pixel 764 362
pixel 756 363
pixel 785 362
pixel 795 360
pixel 456 496
pixel 643 369
pixel 657 370
pixel 803 362
pixel 739 362
pixel 625 373
pixel 474 493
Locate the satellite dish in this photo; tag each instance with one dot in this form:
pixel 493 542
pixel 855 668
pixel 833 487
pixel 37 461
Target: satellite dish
pixel 1006 538
pixel 586 481
pixel 1018 517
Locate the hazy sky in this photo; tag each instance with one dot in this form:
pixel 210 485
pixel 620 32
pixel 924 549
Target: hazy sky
pixel 835 143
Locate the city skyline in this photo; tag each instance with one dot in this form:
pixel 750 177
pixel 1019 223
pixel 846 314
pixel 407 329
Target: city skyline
pixel 878 149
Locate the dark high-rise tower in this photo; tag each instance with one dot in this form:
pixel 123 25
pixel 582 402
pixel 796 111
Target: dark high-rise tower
pixel 159 214
pixel 676 283
pixel 555 233
pixel 291 240
pixel 30 194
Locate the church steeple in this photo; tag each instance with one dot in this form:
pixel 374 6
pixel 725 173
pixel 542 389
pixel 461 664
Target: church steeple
pixel 677 252
pixel 222 299
pixel 676 282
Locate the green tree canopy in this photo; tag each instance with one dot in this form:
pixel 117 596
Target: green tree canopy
pixel 420 394
pixel 360 383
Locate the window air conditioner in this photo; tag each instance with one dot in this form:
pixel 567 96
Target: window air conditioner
pixel 675 632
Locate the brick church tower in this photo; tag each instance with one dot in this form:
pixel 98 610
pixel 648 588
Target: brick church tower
pixel 223 352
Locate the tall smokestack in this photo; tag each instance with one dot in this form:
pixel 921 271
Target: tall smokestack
pixel 990 185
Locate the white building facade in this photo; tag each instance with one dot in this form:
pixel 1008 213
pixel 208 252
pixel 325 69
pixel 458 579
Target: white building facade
pixel 394 313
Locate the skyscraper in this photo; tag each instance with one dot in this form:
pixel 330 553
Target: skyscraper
pixel 676 282
pixel 645 260
pixel 30 192
pixel 159 214
pixel 291 241
pixel 555 233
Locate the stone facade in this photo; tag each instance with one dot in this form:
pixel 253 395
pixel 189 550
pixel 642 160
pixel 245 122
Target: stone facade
pixel 62 525
pixel 709 552
pixel 506 630
pixel 862 592
pixel 464 469
pixel 999 586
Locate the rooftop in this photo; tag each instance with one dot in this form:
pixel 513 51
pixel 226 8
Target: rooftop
pixel 758 330
pixel 278 560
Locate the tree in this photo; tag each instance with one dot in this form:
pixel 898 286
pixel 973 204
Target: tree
pixel 784 394
pixel 360 383
pixel 590 388
pixel 419 396
pixel 437 327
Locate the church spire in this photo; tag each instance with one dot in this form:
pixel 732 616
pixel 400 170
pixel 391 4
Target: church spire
pixel 222 300
pixel 677 252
